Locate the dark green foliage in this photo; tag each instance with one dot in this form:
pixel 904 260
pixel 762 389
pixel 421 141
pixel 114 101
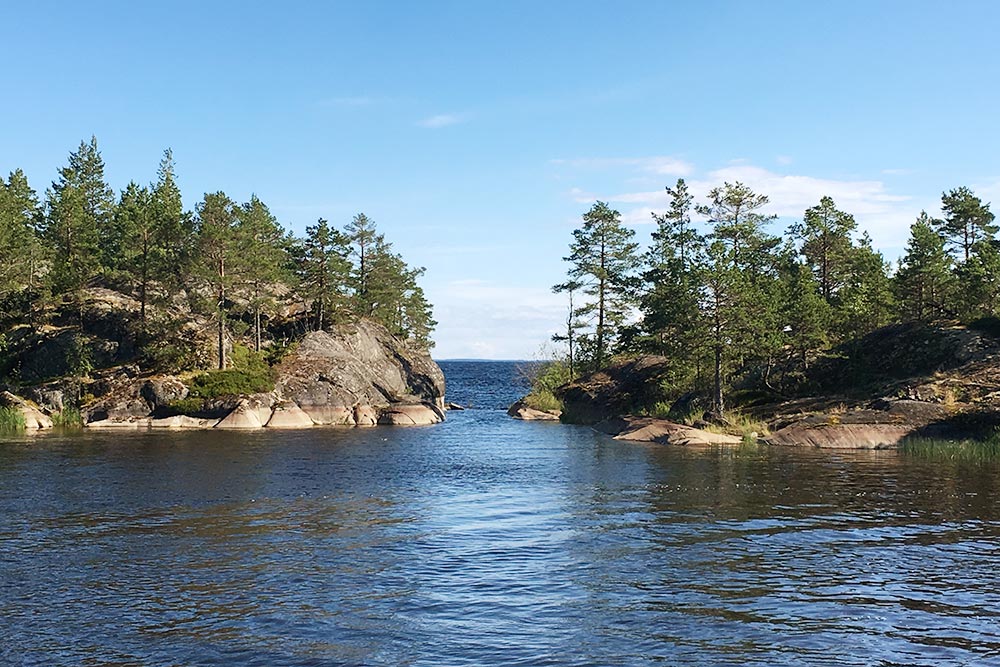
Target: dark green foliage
pixel 967 221
pixel 79 224
pixel 250 375
pixel 925 283
pixel 825 234
pixel 323 273
pixel 988 325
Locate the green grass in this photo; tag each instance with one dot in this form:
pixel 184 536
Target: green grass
pixel 67 418
pixel 11 420
pixel 974 451
pixel 544 400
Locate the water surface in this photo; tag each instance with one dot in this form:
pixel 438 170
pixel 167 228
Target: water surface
pixel 487 541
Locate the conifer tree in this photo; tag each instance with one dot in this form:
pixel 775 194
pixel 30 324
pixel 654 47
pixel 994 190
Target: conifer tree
pixel 135 216
pixel 979 281
pixel 924 281
pixel 20 251
pixel 365 241
pixel 739 302
pixel 670 301
pixel 967 220
pixel 324 271
pixel 825 233
pixel 603 258
pixel 261 243
pixel 172 227
pixel 805 311
pixel 218 256
pixel 79 221
pixel 866 298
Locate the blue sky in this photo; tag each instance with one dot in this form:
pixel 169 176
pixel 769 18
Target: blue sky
pixel 475 134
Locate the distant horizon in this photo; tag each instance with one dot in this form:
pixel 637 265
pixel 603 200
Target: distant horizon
pixel 475 136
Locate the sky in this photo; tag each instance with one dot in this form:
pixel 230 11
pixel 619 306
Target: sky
pixel 475 134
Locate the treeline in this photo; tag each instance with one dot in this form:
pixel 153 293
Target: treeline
pixel 726 300
pixel 232 262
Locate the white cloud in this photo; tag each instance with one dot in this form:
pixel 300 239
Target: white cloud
pixel 487 320
pixel 897 172
pixel 441 120
pixel 784 160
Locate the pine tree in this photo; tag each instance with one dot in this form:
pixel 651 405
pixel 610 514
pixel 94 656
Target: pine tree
pixel 261 242
pixel 825 233
pixel 364 240
pixel 603 258
pixel 866 298
pixel 805 311
pixel 924 282
pixel 966 222
pixel 324 271
pixel 79 223
pixel 979 281
pixel 573 326
pixel 173 229
pixel 739 301
pixel 218 256
pixel 135 216
pixel 672 323
pixel 20 251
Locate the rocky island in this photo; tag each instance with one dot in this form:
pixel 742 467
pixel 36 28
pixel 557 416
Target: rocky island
pixel 128 312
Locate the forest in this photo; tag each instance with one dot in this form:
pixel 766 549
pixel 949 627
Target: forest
pixel 732 304
pixel 231 264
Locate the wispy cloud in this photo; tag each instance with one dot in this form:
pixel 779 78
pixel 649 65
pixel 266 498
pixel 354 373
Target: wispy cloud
pixel 661 165
pixel 784 160
pixel 897 172
pixel 442 120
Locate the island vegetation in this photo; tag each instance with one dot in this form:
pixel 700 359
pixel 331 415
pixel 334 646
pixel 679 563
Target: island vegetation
pixel 744 317
pixel 221 292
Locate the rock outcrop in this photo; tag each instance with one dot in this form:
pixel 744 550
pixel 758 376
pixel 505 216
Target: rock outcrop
pixel 521 410
pixel 352 375
pixel 662 431
pixel 619 389
pixel 34 419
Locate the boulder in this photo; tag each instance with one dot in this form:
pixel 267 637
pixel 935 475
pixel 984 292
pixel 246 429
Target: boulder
pixel 454 406
pixel 243 416
pixel 34 419
pixel 289 415
pixel 159 392
pixel 410 415
pixel 841 436
pixel 662 431
pixel 182 421
pixel 520 410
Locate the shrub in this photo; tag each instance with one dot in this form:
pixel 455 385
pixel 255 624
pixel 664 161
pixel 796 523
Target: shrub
pixel 250 375
pixel 544 400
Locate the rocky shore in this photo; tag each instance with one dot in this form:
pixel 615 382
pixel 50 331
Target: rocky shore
pixel 351 375
pixel 901 383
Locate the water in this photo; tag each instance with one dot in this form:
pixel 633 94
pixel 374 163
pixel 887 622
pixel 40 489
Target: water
pixel 487 541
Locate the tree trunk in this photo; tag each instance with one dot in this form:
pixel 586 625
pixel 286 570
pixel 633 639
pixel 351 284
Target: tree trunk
pixel 222 313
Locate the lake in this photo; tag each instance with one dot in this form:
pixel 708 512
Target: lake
pixel 488 541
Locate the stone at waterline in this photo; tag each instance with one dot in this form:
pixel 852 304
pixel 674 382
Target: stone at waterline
pixel 520 410
pixel 289 415
pixel 34 419
pixel 243 416
pixel 421 414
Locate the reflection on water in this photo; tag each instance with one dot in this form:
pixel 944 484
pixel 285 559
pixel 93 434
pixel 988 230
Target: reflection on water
pixel 488 541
